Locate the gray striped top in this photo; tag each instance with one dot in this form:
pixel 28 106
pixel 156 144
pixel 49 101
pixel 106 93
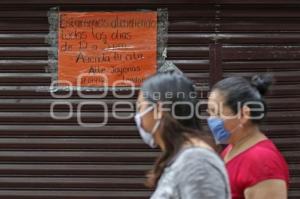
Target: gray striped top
pixel 194 173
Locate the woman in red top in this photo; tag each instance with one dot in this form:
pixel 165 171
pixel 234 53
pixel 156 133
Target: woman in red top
pixel 256 168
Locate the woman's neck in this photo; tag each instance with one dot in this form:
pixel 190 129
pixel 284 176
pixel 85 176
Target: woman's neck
pixel 245 139
pixel 196 142
pixel 246 135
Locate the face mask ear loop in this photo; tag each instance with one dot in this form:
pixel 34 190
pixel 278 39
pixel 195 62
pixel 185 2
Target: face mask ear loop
pixel 155 127
pixel 146 111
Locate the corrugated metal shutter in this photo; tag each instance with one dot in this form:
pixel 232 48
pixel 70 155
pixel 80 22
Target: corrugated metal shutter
pixel 257 39
pixel 45 158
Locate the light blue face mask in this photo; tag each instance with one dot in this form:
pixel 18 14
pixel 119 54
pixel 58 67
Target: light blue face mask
pixel 216 125
pixel 147 137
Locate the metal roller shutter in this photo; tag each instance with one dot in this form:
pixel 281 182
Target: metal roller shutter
pixel 45 158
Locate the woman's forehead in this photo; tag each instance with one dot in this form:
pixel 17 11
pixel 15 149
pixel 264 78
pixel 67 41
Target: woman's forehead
pixel 140 97
pixel 216 100
pixel 141 102
pixel 216 96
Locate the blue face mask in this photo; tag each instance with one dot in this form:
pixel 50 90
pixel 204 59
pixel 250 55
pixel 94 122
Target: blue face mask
pixel 218 130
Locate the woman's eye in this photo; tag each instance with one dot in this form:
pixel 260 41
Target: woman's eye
pixel 209 111
pixel 213 112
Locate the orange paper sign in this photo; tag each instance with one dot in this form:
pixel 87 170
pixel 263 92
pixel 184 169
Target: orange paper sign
pixel 100 48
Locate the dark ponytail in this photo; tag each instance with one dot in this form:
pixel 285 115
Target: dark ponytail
pixel 262 83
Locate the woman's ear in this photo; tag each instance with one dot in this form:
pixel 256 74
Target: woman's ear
pixel 245 115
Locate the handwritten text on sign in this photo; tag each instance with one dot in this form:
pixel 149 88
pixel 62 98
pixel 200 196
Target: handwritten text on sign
pixel 118 45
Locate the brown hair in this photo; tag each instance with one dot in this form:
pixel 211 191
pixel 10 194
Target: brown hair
pixel 176 131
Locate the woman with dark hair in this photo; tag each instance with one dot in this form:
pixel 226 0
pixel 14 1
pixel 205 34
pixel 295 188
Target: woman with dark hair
pixel 188 167
pixel 255 166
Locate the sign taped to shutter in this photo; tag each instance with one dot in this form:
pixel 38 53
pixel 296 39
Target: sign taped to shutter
pixel 106 49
